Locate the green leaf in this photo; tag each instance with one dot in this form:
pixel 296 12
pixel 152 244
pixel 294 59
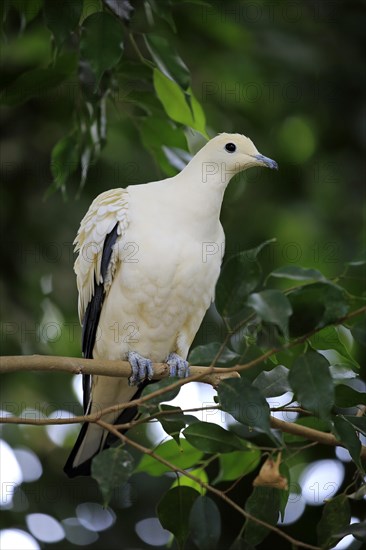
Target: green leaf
pixel 101 43
pixel 336 516
pixel 312 383
pixel 317 305
pixel 297 273
pixel 163 10
pixel 91 7
pixel 61 19
pixel 355 275
pixel 37 82
pixel 204 355
pixel 172 423
pixel 182 456
pixel 174 511
pixel 332 338
pixel 168 60
pixel 211 438
pixel 152 404
pixel 358 530
pixel 28 9
pixel 175 104
pixel 264 504
pixel 252 253
pixel 358 331
pixel 184 481
pixel 359 494
pixel 205 523
pixel 274 382
pixel 287 355
pixel 111 468
pixel 237 464
pixel 358 422
pixel 239 277
pixel 345 432
pixel 345 396
pixel 336 304
pixel 284 493
pixel 246 404
pixel 121 8
pixel 158 134
pixel 342 371
pixel 273 307
pixel 64 162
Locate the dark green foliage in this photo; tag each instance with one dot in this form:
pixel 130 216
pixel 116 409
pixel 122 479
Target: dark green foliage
pixel 62 22
pixel 312 383
pixel 174 511
pixel 183 456
pixel 211 438
pixel 205 523
pixel 246 404
pixel 274 382
pixel 264 504
pixel 346 433
pixel 336 517
pixel 112 469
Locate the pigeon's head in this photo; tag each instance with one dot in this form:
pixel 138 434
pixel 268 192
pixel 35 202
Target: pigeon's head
pixel 238 152
pixel 227 154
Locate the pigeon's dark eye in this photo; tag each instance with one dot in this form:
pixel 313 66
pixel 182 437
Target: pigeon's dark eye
pixel 230 147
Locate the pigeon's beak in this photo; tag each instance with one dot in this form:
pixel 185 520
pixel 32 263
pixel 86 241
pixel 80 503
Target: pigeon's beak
pixel 267 161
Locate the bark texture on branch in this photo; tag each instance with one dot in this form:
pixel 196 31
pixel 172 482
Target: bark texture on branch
pixel 103 367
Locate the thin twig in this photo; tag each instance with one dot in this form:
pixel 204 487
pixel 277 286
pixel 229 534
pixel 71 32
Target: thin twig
pixel 324 438
pixel 317 436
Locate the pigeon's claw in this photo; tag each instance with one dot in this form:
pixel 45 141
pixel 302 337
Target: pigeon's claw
pixel 178 366
pixel 141 369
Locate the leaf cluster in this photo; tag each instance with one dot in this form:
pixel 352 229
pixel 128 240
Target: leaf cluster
pixel 101 58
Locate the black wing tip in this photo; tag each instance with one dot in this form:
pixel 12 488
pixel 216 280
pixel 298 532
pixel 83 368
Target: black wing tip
pixel 83 469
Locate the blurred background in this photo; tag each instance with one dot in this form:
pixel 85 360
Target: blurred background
pixel 291 76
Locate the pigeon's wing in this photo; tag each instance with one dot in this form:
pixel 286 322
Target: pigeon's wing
pixel 98 258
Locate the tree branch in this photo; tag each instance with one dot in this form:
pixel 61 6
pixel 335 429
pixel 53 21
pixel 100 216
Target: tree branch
pixel 324 438
pixel 104 367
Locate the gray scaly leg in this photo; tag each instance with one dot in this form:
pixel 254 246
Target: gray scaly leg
pixel 178 366
pixel 141 368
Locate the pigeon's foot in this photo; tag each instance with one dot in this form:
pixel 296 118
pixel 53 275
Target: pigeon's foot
pixel 141 368
pixel 177 365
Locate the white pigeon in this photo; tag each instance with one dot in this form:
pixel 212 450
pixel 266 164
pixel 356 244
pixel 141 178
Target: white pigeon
pixel 149 259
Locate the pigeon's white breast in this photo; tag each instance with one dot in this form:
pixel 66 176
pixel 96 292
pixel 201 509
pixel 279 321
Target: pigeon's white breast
pixel 160 292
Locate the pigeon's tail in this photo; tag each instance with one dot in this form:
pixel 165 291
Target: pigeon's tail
pixel 93 439
pixel 88 444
